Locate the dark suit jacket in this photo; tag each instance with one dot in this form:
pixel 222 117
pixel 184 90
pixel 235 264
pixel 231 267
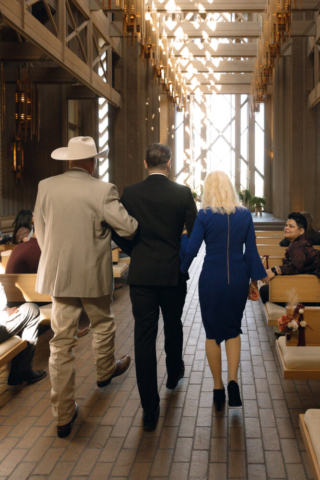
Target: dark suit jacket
pixel 161 208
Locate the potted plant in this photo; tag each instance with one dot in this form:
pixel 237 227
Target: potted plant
pixel 197 196
pixel 257 203
pixel 245 197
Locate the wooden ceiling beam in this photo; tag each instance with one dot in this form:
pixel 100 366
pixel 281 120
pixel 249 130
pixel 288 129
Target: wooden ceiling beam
pixel 19 52
pixel 218 30
pixel 225 79
pixel 27 25
pixel 225 66
pixel 222 90
pixel 243 50
pixel 225 6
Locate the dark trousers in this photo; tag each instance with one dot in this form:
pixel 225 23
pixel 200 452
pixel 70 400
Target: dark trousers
pixel 24 322
pixel 146 304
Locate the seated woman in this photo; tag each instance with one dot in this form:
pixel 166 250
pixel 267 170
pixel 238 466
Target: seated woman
pixel 312 234
pixel 23 225
pixel 300 257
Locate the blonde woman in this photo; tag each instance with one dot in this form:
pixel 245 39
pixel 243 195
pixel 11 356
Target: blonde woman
pixel 226 227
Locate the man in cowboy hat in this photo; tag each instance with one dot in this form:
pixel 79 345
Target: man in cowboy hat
pixel 74 214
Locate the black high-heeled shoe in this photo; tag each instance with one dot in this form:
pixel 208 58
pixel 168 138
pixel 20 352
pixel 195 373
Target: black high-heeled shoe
pixel 234 394
pixel 219 397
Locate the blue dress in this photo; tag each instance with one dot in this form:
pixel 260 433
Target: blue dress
pixel 227 268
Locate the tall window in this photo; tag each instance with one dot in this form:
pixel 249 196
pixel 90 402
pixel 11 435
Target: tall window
pixel 220 133
pixel 179 144
pixel 103 139
pixel 244 138
pixel 259 152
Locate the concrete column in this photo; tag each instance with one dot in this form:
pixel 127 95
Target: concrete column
pixel 295 134
pixel 237 142
pixel 268 121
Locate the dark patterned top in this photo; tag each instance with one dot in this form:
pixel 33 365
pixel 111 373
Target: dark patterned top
pixel 21 234
pixel 301 257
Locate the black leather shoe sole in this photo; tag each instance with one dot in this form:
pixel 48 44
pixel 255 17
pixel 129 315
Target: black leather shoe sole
pixel 150 421
pixel 171 384
pixel 65 430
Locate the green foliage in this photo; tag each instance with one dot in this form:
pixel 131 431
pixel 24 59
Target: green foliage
pixel 257 202
pixel 245 196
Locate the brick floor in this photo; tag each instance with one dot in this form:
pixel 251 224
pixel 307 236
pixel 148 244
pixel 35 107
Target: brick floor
pixel 192 441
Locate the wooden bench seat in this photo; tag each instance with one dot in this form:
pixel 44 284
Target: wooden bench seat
pixel 310 431
pixel 267 241
pixel 4 248
pixel 298 362
pixel 6 224
pixel 306 286
pixel 301 362
pixel 261 233
pixel 275 250
pixel 4 258
pixel 115 254
pixel 120 269
pixel 10 348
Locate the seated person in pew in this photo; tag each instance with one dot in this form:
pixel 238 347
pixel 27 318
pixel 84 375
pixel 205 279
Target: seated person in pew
pixel 25 321
pixel 23 225
pixel 312 235
pixel 25 259
pixel 300 257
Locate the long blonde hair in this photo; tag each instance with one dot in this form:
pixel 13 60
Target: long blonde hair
pixel 219 194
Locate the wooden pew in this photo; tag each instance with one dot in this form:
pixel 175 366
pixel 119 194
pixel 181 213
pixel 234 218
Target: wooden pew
pixel 306 286
pixel 115 255
pixel 267 241
pixel 20 288
pixel 120 269
pixel 301 362
pixel 261 233
pixel 275 250
pixel 4 248
pixel 4 258
pixel 6 224
pixel 312 417
pixel 272 262
pixel 10 348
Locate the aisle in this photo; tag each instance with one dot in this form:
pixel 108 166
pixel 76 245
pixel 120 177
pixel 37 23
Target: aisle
pixel 258 442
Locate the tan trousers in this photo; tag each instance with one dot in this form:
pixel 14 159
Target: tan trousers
pixel 64 323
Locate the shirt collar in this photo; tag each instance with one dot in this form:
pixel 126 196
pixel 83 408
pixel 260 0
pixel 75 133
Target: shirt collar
pixel 158 174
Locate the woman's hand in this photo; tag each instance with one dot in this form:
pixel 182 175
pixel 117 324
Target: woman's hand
pixel 270 276
pixel 253 291
pixel 184 233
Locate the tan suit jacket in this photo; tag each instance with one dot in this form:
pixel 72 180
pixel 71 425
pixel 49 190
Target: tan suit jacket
pixel 76 259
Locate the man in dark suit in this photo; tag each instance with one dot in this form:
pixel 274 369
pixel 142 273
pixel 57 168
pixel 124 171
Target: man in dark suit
pixel 162 209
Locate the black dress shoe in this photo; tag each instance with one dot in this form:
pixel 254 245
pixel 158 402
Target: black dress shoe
pixel 172 383
pixel 219 397
pixel 150 420
pixel 122 366
pixel 65 430
pixel 31 376
pixel 234 394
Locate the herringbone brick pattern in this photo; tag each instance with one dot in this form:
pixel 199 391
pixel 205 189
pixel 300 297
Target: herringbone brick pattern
pixel 261 441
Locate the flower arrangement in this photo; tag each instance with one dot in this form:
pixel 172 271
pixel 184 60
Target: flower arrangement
pixel 292 322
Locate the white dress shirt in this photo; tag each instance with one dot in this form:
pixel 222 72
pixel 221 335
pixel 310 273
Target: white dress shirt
pixel 3 306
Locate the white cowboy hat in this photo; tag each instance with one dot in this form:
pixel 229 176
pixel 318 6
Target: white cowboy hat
pixel 79 148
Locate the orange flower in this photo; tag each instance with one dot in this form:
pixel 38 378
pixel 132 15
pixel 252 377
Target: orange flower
pixel 283 322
